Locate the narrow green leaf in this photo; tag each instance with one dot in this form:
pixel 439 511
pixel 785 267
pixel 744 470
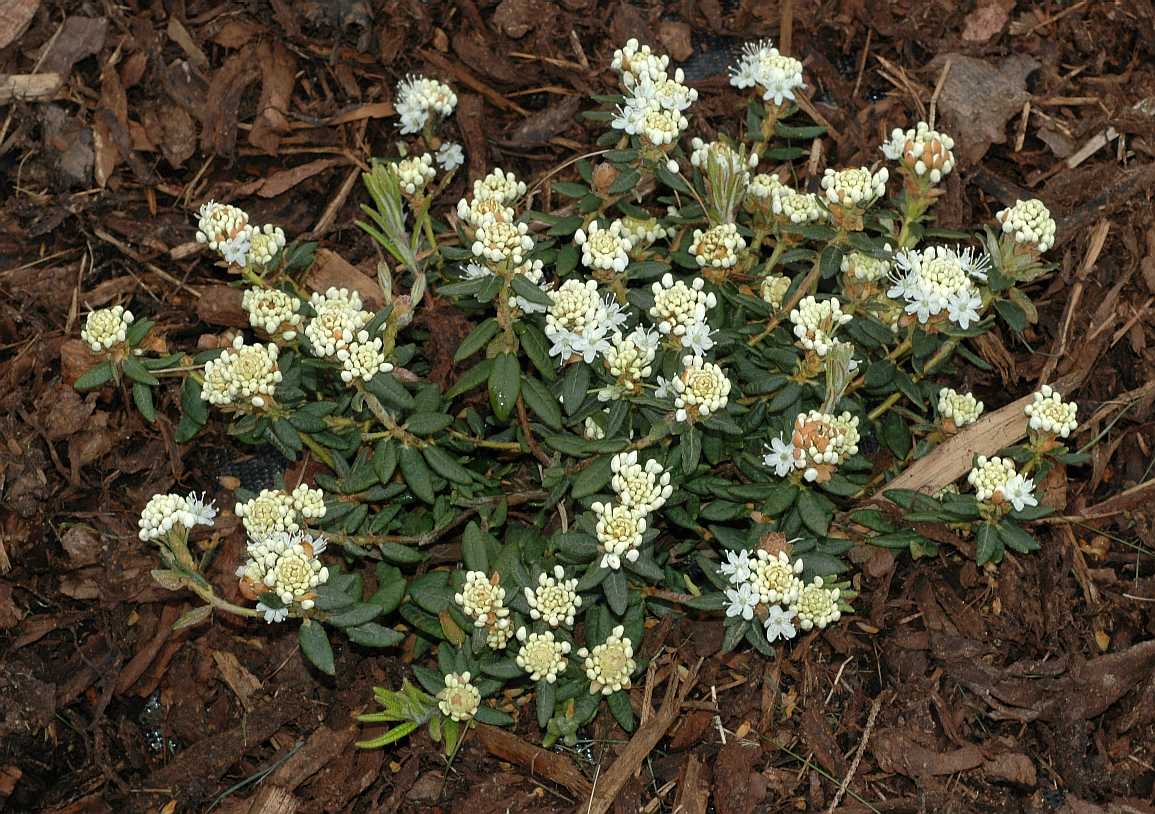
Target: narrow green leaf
pixel 617 591
pixel 814 511
pixel 477 339
pixel 95 376
pixel 574 387
pixel 473 548
pixel 474 377
pixel 384 460
pixel 530 291
pixel 416 473
pixel 592 478
pixel 691 448
pixel 504 385
pixel 619 704
pixel 138 372
pixel 142 398
pixel 541 401
pixel 315 646
pixel 357 615
pixel 988 546
pixel 446 465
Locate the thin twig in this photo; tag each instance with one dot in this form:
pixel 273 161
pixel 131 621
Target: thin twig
pixel 874 708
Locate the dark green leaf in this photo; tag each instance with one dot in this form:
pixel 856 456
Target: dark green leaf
pixel 315 646
pixel 574 387
pixel 372 634
pixel 473 548
pixel 416 473
pixel 446 465
pixel 815 511
pixel 504 385
pixel 384 460
pixel 691 448
pixel 477 339
pixel 400 554
pixel 592 478
pixel 617 591
pixel 619 704
pixel 138 372
pixel 95 376
pixel 474 377
pixel 142 398
pixel 530 291
pixel 1017 538
pixel 988 546
pixel 356 615
pixel 539 399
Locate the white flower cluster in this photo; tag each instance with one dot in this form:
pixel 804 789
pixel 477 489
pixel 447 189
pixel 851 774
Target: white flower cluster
pixel 960 408
pixel 105 328
pixel 996 481
pixel 162 513
pixel 680 312
pixel 797 207
pixel 244 375
pixel 482 599
pixel 541 655
pixel 579 321
pixel 414 173
pixel 226 230
pixel 655 100
pixel 604 247
pixel 274 510
pixel 925 152
pixel 938 279
pixel 718 246
pixel 819 442
pixel 761 191
pixel 459 699
pixel 815 322
pixel 501 241
pixel 628 360
pixel 701 389
pixel 865 268
pixel 775 74
pixel 363 359
pixel 610 664
pixel 287 564
pixel 1050 414
pixel 641 490
pixel 339 318
pixel 273 312
pixel 501 185
pixel 418 98
pixel 855 187
pixel 1029 223
pixel 555 599
pixel 774 288
pixel 492 197
pixel 769 586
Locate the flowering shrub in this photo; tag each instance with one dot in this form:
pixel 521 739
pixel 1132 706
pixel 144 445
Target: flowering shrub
pixel 682 384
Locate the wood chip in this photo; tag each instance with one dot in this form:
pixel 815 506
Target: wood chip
pixel 28 87
pixel 539 762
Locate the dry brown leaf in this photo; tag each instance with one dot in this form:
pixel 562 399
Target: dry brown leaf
pixel 278 75
pixel 331 269
pixel 243 683
pixel 281 182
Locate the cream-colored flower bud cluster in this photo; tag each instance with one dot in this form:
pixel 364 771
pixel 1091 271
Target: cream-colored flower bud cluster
pixel 542 655
pixel 865 268
pixel 459 699
pixel 286 564
pixel 997 482
pixel 774 288
pixel 493 199
pixel 609 665
pixel 418 99
pixel 362 359
pixel 1050 415
pixel 581 322
pixel 679 310
pixel 959 408
pixel 641 489
pixel 482 599
pixel 717 247
pixel 242 376
pixel 819 442
pixel 628 360
pixel 500 242
pixel 106 328
pixel 642 232
pixel 1029 223
pixel 275 510
pixel 606 248
pixel 226 230
pixel 339 317
pixel 700 390
pixel 797 207
pixel 938 279
pixel 273 312
pixel 776 75
pixel 856 187
pixel 654 98
pixel 164 512
pixel 414 173
pixel 554 600
pixel 815 322
pixel 925 152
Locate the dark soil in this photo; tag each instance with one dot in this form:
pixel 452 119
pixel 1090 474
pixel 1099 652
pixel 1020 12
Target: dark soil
pixel 954 689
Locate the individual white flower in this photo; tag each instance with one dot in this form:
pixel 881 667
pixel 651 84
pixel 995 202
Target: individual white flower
pixel 988 477
pixel 273 311
pixel 645 487
pixel 774 577
pixel 817 606
pixel 482 599
pixel 604 247
pixel 105 328
pixel 737 567
pixel 628 361
pixel 774 288
pixel 555 599
pixel 1050 414
pixel 459 699
pixel 219 223
pixel 414 173
pixel 268 513
pixel 339 318
pixel 244 374
pixel 161 514
pixel 235 250
pixel 579 321
pixel 450 156
pixel 619 531
pixel 864 267
pixel 501 185
pixel 700 390
pixel 294 574
pixel 718 246
pixel 938 279
pixel 635 61
pixel 265 243
pixel 780 456
pixel 742 601
pixel 822 441
pixel 779 623
pixel 664 388
pixel 1020 492
pixel 642 116
pixel 362 359
pixel 201 511
pixel 678 306
pixel 775 74
pixel 542 656
pixel 815 322
pixel 960 408
pixel 856 187
pixel 610 664
pixel 418 98
pixel 665 92
pixel 502 241
pixel 272 615
pixel 1029 223
pixel 797 207
pixel 698 338
pixel 925 152
pixel 483 210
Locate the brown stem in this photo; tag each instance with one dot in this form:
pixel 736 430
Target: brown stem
pixel 530 441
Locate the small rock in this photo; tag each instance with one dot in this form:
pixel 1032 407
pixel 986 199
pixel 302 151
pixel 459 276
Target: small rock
pixel 426 789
